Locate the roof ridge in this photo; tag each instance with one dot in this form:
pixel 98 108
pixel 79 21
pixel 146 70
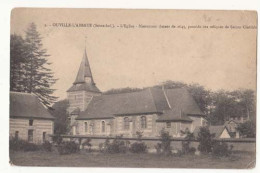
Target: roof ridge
pixel 150 92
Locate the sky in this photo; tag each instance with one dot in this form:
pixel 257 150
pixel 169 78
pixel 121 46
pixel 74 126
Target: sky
pixel 140 57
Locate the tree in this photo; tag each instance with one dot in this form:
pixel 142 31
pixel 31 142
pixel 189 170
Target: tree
pixel 29 66
pixel 205 140
pixel 17 62
pixel 247 129
pixel 122 90
pixel 61 122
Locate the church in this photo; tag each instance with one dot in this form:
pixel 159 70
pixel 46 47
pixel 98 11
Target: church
pixel 147 111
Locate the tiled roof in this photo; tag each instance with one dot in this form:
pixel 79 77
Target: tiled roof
pixel 173 105
pixel 106 106
pixel 25 105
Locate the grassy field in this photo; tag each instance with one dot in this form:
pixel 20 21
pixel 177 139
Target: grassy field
pixel 83 159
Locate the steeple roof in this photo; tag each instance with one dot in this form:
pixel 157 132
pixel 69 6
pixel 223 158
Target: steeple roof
pixel 80 83
pixel 84 70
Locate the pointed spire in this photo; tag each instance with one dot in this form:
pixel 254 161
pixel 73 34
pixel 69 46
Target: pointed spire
pixel 84 70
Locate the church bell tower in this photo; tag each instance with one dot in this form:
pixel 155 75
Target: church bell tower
pixel 83 88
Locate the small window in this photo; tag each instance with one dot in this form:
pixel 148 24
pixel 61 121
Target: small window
pixel 16 134
pixel 30 122
pixel 86 126
pixel 126 123
pixel 143 122
pixel 103 126
pixel 168 124
pixel 30 135
pixel 44 136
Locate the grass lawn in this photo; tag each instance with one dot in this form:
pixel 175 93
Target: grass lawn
pixel 83 159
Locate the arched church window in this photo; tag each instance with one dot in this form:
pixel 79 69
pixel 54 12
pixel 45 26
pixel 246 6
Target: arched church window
pixel 86 126
pixel 143 122
pixel 103 126
pixel 126 123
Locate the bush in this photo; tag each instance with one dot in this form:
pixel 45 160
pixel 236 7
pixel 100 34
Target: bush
pixel 165 146
pixel 138 147
pixel 88 144
pixel 22 145
pixel 57 139
pixel 220 149
pixel 16 144
pixel 47 146
pixel 68 148
pixel 186 144
pixel 31 147
pixel 117 146
pixel 247 129
pixel 205 140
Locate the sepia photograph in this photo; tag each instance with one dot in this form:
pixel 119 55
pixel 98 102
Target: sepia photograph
pixel 133 88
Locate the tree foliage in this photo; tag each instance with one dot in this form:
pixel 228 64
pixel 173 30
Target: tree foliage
pixel 61 122
pixel 247 129
pixel 29 66
pixel 205 140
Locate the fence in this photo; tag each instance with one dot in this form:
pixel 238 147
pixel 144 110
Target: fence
pixel 239 144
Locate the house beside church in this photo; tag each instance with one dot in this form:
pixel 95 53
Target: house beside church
pixel 149 111
pixel 29 119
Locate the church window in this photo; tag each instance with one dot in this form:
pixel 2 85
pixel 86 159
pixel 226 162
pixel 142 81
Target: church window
pixel 143 122
pixel 168 124
pixel 126 123
pixel 103 126
pixel 30 122
pixel 43 136
pixel 16 134
pixel 86 126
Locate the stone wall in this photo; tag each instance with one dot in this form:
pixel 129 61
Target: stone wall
pixel 21 125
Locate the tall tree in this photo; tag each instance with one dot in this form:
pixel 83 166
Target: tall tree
pixel 36 78
pixel 17 62
pixel 39 77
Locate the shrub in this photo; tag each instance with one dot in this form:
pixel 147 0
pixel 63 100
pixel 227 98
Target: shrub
pixel 88 144
pixel 138 147
pixel 158 148
pixel 117 146
pixel 247 129
pixel 57 139
pixel 205 140
pixel 22 145
pixel 47 146
pixel 165 146
pixel 68 148
pixel 16 144
pixel 186 149
pixel 220 149
pixel 31 147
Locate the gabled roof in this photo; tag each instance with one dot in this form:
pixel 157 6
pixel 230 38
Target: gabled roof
pixel 26 105
pixel 214 130
pixel 106 106
pixel 172 105
pixel 228 122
